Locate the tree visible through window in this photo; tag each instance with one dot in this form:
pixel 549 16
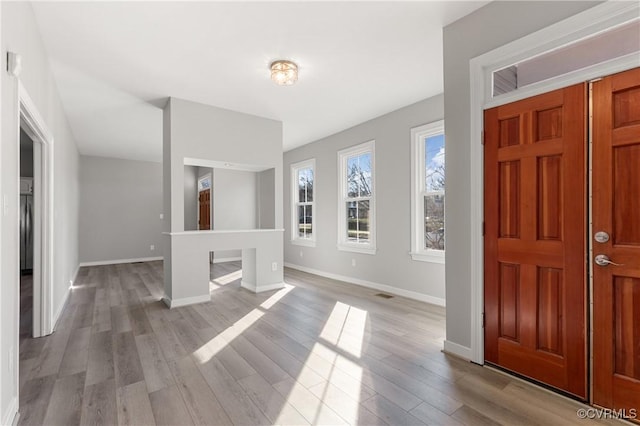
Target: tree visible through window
pixel 302 184
pixel 433 193
pixel 356 204
pixel 305 203
pixel 428 190
pixel 358 197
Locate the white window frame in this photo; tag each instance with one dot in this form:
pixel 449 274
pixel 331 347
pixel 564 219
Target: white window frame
pixel 295 202
pixel 343 243
pixel 418 191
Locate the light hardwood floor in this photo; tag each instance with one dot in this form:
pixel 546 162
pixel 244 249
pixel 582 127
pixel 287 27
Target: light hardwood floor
pixel 317 352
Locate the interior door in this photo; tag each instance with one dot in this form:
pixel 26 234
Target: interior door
pixel 204 204
pixel 616 212
pixel 535 245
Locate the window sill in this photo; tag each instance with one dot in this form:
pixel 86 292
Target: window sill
pixel 305 243
pixel 434 257
pixel 357 249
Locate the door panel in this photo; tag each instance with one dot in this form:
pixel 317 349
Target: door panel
pixel 204 203
pixel 535 226
pixel 616 210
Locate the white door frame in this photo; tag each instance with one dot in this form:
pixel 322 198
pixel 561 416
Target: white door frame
pixel 43 178
pixel 583 25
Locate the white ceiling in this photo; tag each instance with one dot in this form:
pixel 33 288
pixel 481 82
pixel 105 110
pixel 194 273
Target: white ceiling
pixel 117 62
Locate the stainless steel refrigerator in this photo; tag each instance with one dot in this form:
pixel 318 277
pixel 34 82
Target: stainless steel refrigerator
pixel 26 233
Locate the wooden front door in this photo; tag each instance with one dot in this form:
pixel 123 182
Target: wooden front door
pixel 204 204
pixel 535 238
pixel 616 211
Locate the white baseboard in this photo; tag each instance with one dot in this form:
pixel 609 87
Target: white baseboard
pixel 458 350
pixel 10 416
pixel 226 259
pixel 176 303
pixel 262 288
pixel 370 284
pixel 75 274
pixel 118 261
pixel 61 306
pixel 65 299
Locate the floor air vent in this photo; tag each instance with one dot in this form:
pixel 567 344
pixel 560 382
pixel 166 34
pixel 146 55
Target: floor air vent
pixel 384 296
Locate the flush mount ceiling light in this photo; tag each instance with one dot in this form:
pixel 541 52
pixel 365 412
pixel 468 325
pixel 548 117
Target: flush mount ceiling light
pixel 284 73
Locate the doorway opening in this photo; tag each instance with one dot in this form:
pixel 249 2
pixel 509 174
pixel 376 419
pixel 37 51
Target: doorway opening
pixel 205 219
pixel 36 197
pixel 26 236
pixel 536 287
pixel 224 274
pixel 545 278
pixel 593 21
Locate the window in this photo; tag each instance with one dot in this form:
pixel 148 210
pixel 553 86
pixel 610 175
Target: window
pixel 303 230
pixel 356 200
pixel 428 188
pixel 588 52
pixel 204 183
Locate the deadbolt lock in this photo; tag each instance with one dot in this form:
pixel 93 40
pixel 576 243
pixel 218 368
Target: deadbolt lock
pixel 601 237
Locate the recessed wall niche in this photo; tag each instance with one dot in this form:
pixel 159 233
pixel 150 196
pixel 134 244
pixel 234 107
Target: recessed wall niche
pixel 228 197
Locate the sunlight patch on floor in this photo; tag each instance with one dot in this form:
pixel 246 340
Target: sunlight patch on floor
pixel 229 278
pixel 343 398
pixel 207 351
pixel 277 296
pixel 340 345
pixel 345 328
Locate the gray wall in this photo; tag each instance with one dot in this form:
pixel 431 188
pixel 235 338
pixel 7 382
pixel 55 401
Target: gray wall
pixel 267 199
pixel 392 264
pixel 19 33
pixel 492 26
pixel 234 204
pixel 120 206
pixel 190 198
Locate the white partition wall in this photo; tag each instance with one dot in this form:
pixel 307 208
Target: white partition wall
pixel 204 135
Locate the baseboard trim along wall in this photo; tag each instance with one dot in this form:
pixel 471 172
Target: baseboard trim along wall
pixel 176 303
pixel 458 350
pixel 65 299
pixel 75 275
pixel 10 417
pixel 226 259
pixel 370 284
pixel 63 304
pixel 263 288
pixel 118 261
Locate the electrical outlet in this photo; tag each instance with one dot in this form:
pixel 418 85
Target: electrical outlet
pixel 161 216
pixel 301 253
pixel 353 262
pixel 152 247
pixel 274 266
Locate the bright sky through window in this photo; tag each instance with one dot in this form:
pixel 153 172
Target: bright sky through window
pixel 434 159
